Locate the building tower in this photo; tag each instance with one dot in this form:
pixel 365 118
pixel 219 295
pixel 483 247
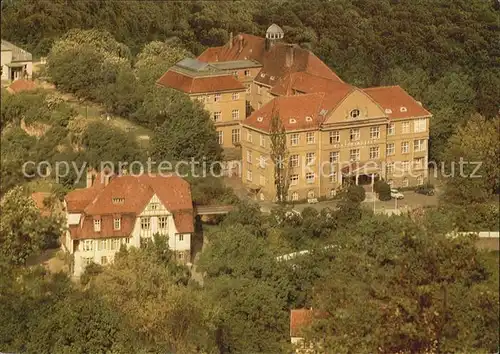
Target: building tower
pixel 274 33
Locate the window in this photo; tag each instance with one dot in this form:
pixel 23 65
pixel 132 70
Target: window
pixel 333 193
pixel 310 158
pixel 354 113
pixel 333 177
pixel 292 120
pixel 420 180
pixel 406 183
pixel 97 225
pixel 402 109
pixel 405 127
pixel 418 163
pixel 115 244
pixel 405 147
pixel 235 73
pixel 420 125
pixel 88 245
pixel 354 134
pixel 294 139
pixel 104 260
pixel 294 161
pixel 354 154
pixel 405 165
pixel 310 194
pixel 389 168
pixel 249 136
pixel 309 119
pixel 163 222
pixel 262 161
pixel 103 245
pixel 118 200
pixel 294 180
pixel 235 96
pixel 181 237
pixel 374 152
pixel 153 206
pixel 220 137
pixel 217 116
pixel 334 137
pixel 145 223
pixel 295 196
pixel 262 140
pixel 235 114
pixel 117 224
pixel 334 156
pixel 309 177
pixel 202 99
pixel 310 137
pixel 247 72
pixel 390 149
pixel 419 145
pixel 391 129
pixel 249 156
pixel 374 133
pixel 87 261
pixel 235 136
pixel 217 97
pixel 249 175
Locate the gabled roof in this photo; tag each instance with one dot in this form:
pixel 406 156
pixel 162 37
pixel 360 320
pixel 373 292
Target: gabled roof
pixel 296 112
pixel 18 54
pixel 134 192
pixel 274 61
pixel 21 85
pixel 202 84
pixel 396 102
pixel 305 82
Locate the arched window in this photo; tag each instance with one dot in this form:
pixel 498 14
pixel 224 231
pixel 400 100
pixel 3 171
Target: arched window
pixel 354 113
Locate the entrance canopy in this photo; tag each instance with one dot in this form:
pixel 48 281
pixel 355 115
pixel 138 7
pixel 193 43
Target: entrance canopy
pixel 361 168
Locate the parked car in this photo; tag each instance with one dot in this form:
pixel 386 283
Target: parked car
pixel 396 194
pixel 425 190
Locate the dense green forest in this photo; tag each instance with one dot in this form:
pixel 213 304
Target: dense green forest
pixel 444 53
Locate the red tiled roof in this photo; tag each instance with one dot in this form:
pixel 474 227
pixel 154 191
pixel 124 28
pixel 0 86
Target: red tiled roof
pixel 173 192
pixel 393 98
pixel 306 83
pixel 274 60
pixel 21 85
pixel 188 84
pixel 299 319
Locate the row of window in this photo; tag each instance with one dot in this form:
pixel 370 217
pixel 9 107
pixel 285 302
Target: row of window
pixel 217 97
pixel 235 136
pixel 117 224
pixel 107 244
pixel 162 223
pixel 217 116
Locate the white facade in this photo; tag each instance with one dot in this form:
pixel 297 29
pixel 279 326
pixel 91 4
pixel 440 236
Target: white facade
pixel 15 62
pixel 155 218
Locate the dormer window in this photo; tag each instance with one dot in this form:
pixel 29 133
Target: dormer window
pixel 260 119
pixel 262 75
pixel 118 200
pixel 293 121
pixel 354 113
pixel 388 111
pixel 403 109
pixel 272 77
pixel 309 119
pixel 97 225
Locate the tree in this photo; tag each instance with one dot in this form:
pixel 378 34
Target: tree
pixel 22 228
pixel 156 58
pixel 383 190
pixel 186 133
pixel 473 145
pixel 349 210
pixel 279 157
pixel 398 286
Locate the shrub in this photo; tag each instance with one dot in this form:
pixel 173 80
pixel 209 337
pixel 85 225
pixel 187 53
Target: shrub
pixel 383 190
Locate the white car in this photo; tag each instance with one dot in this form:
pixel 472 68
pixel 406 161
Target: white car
pixel 396 194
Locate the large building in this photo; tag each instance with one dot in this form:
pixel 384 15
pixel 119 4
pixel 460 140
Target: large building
pixel 350 133
pixel 217 88
pixel 126 210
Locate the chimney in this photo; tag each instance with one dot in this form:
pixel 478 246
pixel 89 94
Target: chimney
pixel 231 40
pixel 289 55
pixel 90 177
pixel 240 43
